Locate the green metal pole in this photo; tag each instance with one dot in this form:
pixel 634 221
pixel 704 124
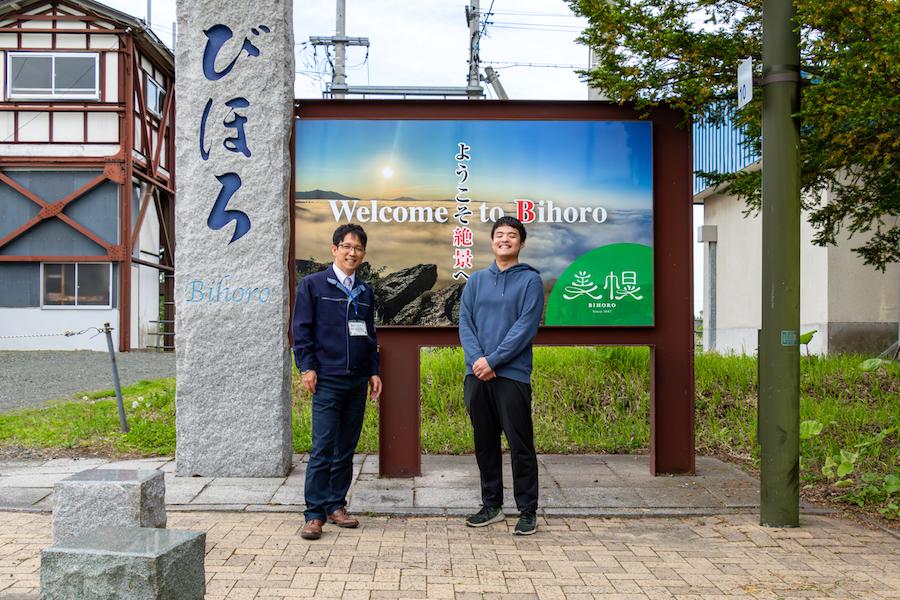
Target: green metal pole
pixel 779 349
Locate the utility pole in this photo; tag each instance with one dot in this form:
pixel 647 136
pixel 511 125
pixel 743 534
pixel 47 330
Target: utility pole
pixel 339 77
pixel 473 18
pixel 149 13
pixel 493 77
pixel 779 348
pixel 340 89
pixel 340 41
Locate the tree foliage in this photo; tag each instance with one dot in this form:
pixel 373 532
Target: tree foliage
pixel 685 52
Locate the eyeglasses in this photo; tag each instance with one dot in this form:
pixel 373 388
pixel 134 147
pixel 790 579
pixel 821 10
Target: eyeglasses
pixel 351 248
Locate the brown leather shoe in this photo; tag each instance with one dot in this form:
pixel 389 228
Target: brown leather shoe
pixel 342 519
pixel 312 530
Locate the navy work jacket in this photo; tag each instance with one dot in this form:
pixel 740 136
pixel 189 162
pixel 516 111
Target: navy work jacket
pixel 323 310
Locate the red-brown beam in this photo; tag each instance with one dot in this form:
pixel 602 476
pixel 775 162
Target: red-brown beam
pixel 162 128
pixel 167 241
pixel 64 259
pixel 52 30
pixel 153 265
pixel 145 201
pixel 49 210
pixel 125 197
pixel 161 184
pixel 138 82
pixel 22 107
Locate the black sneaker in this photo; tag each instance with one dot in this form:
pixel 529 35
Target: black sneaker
pixel 527 524
pixel 485 516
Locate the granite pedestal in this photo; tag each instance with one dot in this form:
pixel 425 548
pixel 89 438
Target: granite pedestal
pixel 113 497
pixel 126 563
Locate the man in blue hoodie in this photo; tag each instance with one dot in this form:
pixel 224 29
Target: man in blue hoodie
pixel 337 354
pixel 499 316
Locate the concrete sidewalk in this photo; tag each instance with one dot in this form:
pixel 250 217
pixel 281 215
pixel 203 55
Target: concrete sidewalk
pixel 576 485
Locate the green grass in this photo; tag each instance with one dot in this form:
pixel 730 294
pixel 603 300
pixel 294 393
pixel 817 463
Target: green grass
pixel 91 423
pixel 585 400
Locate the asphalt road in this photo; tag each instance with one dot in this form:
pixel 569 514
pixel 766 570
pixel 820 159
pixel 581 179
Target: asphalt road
pixel 33 378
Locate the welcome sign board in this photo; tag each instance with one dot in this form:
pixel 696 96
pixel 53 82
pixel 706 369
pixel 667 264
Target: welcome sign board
pixel 428 191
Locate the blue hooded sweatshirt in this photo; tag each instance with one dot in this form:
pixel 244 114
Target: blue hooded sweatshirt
pixel 499 316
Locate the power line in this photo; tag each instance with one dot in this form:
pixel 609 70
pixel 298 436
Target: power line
pixel 536 14
pixel 510 64
pixel 514 24
pixel 539 28
pixel 487 16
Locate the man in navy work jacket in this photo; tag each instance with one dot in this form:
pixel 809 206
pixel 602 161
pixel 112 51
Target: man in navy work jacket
pixel 499 316
pixel 337 354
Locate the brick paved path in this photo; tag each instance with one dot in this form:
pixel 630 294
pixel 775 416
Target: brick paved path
pixel 261 557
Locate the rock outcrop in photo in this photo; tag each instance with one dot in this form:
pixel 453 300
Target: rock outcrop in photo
pixel 395 291
pixel 404 297
pixel 434 308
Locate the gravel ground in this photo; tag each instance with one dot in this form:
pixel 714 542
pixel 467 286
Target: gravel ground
pixel 33 378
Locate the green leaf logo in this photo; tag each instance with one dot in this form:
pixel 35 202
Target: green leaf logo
pixel 611 285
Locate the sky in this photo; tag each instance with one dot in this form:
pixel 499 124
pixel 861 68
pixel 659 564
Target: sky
pixel 426 44
pixel 580 163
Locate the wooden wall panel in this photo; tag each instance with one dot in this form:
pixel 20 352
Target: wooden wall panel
pixel 68 127
pixel 37 40
pixel 103 127
pixel 104 41
pixel 112 76
pixel 37 24
pixel 71 40
pixel 34 126
pixel 6 126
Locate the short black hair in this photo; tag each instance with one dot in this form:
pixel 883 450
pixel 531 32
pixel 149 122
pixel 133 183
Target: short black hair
pixel 510 222
pixel 341 232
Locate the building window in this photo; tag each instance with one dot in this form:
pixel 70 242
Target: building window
pixel 76 285
pixel 39 75
pixel 156 97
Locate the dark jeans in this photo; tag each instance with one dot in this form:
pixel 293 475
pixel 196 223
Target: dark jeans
pixel 495 406
pixel 337 416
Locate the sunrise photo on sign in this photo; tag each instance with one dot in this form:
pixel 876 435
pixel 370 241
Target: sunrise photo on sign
pixel 427 192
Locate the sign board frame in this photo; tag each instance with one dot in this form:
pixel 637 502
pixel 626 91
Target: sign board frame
pixel 670 339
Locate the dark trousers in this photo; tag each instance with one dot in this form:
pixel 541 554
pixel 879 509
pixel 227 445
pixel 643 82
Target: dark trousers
pixel 495 406
pixel 338 407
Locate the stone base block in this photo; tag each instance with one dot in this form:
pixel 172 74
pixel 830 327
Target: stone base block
pixel 111 497
pixel 126 563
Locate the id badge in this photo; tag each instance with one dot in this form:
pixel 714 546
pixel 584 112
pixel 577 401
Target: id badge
pixel 358 328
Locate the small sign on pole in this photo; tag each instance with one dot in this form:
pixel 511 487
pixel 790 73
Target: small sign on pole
pixel 745 82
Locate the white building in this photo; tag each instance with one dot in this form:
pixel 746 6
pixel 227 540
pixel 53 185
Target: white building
pixel 852 307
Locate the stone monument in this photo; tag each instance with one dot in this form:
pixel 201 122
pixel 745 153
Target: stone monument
pixel 234 117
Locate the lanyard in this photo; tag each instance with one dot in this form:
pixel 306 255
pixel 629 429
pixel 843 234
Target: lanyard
pixel 352 295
